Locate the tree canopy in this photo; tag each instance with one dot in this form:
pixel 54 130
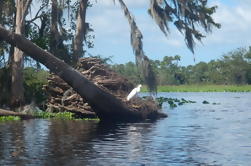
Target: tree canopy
pixel 232 68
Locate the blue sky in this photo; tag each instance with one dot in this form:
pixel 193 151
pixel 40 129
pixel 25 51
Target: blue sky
pixel 112 33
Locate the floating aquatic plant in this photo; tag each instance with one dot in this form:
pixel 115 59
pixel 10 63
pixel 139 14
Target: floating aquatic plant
pixel 59 115
pixel 205 102
pixel 9 118
pixel 173 102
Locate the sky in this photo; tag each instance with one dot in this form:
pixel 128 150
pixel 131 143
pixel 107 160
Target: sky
pixel 112 33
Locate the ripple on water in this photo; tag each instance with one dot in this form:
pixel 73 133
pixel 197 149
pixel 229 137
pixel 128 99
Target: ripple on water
pixel 193 134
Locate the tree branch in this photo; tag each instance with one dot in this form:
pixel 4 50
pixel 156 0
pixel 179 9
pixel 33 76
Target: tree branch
pixel 37 14
pixel 26 6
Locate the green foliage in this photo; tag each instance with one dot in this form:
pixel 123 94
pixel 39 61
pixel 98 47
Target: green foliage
pixel 233 68
pixel 33 83
pixel 129 70
pixel 38 28
pixel 59 115
pixel 9 118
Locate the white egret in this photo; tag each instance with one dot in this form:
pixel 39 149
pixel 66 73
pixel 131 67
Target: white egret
pixel 133 92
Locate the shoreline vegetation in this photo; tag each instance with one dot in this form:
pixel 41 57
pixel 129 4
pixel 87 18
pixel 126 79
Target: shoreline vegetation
pixel 7 115
pixel 201 88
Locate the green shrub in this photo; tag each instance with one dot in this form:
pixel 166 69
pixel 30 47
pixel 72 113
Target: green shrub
pixel 33 83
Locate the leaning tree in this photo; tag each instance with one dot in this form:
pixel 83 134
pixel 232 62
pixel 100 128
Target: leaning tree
pixel 187 15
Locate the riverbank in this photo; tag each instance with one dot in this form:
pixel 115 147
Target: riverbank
pixel 8 115
pixel 202 88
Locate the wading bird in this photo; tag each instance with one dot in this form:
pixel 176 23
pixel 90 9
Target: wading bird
pixel 133 92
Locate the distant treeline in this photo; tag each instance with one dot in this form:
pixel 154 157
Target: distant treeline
pixel 233 68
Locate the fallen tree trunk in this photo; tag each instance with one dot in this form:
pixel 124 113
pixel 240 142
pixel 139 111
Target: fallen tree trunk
pixel 106 106
pixel 12 113
pixel 61 97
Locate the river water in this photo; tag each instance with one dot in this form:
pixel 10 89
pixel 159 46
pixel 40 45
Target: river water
pixel 193 134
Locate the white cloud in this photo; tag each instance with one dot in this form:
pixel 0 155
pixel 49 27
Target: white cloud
pixel 236 24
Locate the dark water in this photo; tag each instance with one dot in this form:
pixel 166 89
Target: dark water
pixel 193 134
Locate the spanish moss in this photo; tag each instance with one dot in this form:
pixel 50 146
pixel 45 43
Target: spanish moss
pixel 187 16
pixel 142 60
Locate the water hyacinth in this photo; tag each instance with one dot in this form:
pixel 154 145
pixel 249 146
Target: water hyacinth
pixel 173 102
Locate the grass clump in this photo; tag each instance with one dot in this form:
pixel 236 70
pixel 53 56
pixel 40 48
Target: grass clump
pixel 9 118
pixel 202 88
pixel 61 115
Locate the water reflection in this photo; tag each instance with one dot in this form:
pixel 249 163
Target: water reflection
pixel 69 142
pixel 192 135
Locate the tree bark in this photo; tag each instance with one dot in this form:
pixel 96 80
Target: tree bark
pixel 57 34
pixel 12 113
pixel 80 32
pixel 54 34
pixel 17 64
pixel 104 104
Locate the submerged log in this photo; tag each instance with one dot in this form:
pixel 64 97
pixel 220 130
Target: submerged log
pixel 106 105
